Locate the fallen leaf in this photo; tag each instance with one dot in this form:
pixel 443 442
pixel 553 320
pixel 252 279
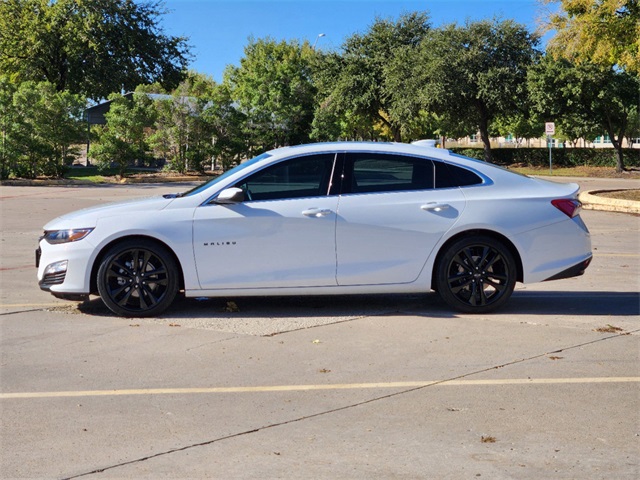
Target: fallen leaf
pixel 488 439
pixel 555 358
pixel 231 307
pixel 609 329
pixel 174 324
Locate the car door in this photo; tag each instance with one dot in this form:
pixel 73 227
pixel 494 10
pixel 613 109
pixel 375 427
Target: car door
pixel 390 217
pixel 282 235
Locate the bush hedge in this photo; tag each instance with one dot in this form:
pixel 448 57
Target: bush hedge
pixel 562 157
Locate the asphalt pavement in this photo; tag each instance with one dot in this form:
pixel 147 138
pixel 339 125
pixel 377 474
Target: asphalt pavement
pixel 368 387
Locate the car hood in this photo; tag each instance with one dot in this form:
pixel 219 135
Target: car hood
pixel 88 217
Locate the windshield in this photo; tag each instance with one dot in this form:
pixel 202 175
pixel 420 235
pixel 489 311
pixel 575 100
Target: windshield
pixel 228 173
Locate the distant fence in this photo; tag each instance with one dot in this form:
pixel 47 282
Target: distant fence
pixel 562 157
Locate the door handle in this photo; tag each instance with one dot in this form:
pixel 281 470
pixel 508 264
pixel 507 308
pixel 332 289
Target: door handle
pixel 435 207
pixel 317 212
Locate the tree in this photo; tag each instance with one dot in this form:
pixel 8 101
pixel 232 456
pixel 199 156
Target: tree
pixel 273 88
pixel 606 32
pixel 182 134
pixel 586 99
pixel 92 47
pixel 42 126
pixel 523 126
pixel 228 126
pixel 355 87
pixel 7 115
pixel 475 74
pixel 122 140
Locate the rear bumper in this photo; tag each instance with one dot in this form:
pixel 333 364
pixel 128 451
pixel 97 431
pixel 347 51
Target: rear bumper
pixel 574 271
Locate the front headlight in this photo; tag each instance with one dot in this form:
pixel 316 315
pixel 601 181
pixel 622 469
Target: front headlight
pixel 55 237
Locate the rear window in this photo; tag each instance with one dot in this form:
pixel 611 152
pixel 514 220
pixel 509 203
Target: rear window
pixel 376 172
pixel 450 176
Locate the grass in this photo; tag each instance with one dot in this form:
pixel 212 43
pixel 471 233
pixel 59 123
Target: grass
pixel 90 174
pixel 582 171
pixel 633 195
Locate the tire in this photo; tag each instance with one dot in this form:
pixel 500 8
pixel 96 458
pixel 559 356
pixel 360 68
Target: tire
pixel 138 278
pixel 476 274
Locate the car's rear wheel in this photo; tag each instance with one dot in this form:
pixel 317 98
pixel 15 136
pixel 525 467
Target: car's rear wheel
pixel 476 274
pixel 138 278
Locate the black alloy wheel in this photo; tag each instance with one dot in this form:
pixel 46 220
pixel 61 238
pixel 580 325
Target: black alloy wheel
pixel 476 274
pixel 138 278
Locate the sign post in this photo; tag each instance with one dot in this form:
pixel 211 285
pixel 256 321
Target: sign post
pixel 550 130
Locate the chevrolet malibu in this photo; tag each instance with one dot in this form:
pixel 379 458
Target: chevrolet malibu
pixel 324 219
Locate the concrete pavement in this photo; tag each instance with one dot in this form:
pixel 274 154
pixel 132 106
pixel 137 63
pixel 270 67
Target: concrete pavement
pixel 337 387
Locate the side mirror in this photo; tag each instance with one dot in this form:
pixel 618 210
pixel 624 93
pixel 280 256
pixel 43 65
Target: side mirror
pixel 230 196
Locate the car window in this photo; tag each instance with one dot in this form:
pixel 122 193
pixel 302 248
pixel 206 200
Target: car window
pixel 201 188
pixel 377 172
pixel 449 176
pixel 306 176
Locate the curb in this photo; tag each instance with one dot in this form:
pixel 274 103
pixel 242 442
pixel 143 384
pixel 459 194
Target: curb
pixel 126 181
pixel 591 201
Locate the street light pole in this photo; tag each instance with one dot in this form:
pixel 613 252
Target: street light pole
pixel 317 38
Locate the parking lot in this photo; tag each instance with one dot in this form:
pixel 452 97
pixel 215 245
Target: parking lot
pixel 329 387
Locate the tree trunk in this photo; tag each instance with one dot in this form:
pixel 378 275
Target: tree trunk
pixel 484 132
pixel 620 159
pixel 484 135
pixel 617 144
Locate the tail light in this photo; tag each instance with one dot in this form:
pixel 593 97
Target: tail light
pixel 569 206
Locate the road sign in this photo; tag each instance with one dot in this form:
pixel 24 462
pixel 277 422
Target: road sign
pixel 550 128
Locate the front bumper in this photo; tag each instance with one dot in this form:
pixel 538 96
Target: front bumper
pixel 72 277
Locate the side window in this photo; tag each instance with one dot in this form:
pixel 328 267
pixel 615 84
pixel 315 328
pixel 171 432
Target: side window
pixel 449 176
pixel 306 176
pixel 377 172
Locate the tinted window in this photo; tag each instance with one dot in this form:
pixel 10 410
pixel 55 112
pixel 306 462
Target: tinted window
pixel 375 172
pixel 228 173
pixel 299 177
pixel 448 176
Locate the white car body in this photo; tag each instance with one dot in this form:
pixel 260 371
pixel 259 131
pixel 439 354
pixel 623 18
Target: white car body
pixel 340 242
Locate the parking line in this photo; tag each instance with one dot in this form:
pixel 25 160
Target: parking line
pixel 32 305
pixel 303 388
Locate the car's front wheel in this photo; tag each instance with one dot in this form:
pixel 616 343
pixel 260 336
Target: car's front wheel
pixel 138 278
pixel 476 274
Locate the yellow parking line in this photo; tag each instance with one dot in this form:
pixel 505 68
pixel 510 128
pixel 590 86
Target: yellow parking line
pixel 32 305
pixel 302 388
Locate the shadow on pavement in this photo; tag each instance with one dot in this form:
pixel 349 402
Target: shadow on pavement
pixel 521 303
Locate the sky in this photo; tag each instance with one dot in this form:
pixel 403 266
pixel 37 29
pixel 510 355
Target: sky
pixel 218 30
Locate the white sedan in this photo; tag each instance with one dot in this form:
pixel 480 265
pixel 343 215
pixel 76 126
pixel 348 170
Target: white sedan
pixel 324 219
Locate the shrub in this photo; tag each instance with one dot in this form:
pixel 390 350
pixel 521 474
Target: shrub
pixel 562 157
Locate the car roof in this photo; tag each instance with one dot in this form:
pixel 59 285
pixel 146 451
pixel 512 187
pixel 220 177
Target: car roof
pixel 382 147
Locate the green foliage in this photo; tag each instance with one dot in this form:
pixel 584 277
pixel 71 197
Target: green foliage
pixel 121 142
pixel 227 125
pixel 272 87
pixel 92 47
pixel 585 99
pixel 399 80
pixel 7 116
pixel 474 75
pixel 358 95
pixel 605 32
pixel 562 157
pixel 39 126
pixel 183 134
